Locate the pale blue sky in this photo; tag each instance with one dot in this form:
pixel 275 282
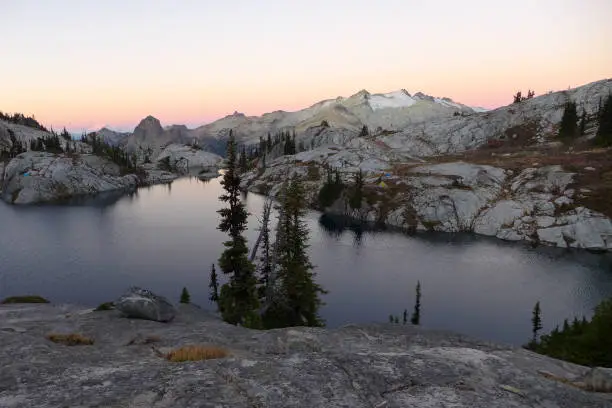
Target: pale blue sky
pixel 89 63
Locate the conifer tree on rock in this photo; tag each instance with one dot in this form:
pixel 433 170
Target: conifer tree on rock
pixel 364 131
pixel 298 300
pixel 536 322
pixel 238 298
pixel 214 286
pixel 185 297
pixel 568 129
pixel 265 264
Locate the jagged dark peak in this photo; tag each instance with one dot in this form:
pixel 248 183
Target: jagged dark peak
pixel 405 91
pixel 150 123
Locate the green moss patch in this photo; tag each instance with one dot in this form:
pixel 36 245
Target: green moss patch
pixel 24 299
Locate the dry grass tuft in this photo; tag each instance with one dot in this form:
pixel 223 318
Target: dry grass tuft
pixel 196 353
pixel 72 339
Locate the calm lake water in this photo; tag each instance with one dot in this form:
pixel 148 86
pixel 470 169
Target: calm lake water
pixel 165 237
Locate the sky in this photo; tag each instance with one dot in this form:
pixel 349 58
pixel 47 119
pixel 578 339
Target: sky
pixel 85 64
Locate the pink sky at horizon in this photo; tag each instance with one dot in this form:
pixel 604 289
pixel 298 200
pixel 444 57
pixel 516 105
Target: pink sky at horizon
pixel 192 62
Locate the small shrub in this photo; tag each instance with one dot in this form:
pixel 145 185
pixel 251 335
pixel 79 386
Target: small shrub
pixel 72 339
pixel 105 306
pixel 24 299
pixel 313 173
pixel 196 353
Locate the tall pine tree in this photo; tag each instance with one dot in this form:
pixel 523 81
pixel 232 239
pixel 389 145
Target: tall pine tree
pixel 238 298
pixel 298 301
pixel 214 286
pixel 265 259
pixel 536 322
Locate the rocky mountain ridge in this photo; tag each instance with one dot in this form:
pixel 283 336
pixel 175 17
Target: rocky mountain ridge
pixel 394 110
pixel 418 125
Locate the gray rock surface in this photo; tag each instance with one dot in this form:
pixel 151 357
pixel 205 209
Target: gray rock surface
pixel 378 365
pixel 533 205
pixel 143 304
pixel 186 158
pixel 599 379
pixel 34 177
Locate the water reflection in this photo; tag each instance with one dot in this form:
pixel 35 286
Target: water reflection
pixel 335 226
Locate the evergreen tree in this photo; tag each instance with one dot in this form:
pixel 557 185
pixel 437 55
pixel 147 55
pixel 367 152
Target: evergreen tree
pixel 518 97
pixel 214 286
pixel 298 301
pixel 243 161
pixel 603 137
pixel 396 320
pixel 238 298
pixel 357 195
pixel 390 318
pixel 269 143
pixel 185 297
pixel 416 315
pixel 568 129
pixel 582 342
pixel 364 131
pixel 566 326
pixel 265 259
pixel 582 126
pixel 331 189
pixel 536 322
pixel 405 316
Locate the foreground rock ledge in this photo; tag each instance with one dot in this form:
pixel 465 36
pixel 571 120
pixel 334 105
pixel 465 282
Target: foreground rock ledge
pixel 354 366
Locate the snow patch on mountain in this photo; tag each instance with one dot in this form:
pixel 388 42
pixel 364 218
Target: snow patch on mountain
pixel 397 99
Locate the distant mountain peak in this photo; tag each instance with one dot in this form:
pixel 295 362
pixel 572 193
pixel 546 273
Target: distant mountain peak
pixel 149 124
